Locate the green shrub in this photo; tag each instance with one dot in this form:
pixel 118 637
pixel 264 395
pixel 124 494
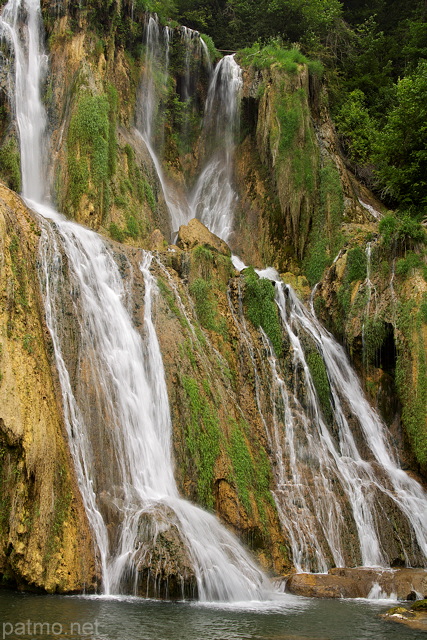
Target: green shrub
pixel 401 229
pixel 405 266
pixel 262 57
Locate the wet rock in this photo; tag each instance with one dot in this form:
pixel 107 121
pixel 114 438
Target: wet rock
pixel 163 563
pixel 415 617
pixel 360 582
pixel 195 233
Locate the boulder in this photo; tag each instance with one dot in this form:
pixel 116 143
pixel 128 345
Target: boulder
pixel 195 233
pixel 415 617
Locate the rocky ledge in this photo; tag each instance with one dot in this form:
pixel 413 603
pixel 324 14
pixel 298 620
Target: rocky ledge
pixel 414 617
pixel 361 582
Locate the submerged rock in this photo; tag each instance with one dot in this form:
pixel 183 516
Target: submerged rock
pixel 415 617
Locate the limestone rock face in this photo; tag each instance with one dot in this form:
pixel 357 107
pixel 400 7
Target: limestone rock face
pixel 45 541
pixel 195 233
pixel 406 584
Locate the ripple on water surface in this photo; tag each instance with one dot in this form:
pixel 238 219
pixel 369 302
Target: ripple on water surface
pixel 128 618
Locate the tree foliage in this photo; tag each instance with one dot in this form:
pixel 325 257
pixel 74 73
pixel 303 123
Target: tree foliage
pixel 402 150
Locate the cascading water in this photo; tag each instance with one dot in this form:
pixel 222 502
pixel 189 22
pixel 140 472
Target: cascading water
pixel 336 476
pixel 30 62
pixel 347 455
pixel 339 490
pixel 213 197
pixel 157 43
pixel 115 401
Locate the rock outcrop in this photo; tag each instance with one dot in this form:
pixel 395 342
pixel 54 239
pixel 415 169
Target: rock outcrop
pixel 45 542
pixel 195 234
pixel 402 584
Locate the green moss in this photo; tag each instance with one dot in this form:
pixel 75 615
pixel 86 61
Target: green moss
pixel 90 155
pixel 61 509
pixel 242 465
pixel 325 239
pixel 10 166
pixel 132 227
pixel 316 260
pixel 411 377
pixel 202 291
pixel 374 334
pixel 28 343
pixel 203 438
pixel 420 605
pixel 116 232
pixel 321 382
pixel 170 299
pixel 356 264
pixel 136 183
pixel 251 472
pixel 261 308
pixel 113 102
pixel 19 270
pixel 423 309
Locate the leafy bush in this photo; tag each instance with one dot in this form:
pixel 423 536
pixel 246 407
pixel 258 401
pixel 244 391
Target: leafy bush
pixel 262 57
pixel 401 152
pixel 405 266
pixel 402 230
pixel 356 128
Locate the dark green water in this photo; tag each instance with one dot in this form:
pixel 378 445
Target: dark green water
pixel 98 618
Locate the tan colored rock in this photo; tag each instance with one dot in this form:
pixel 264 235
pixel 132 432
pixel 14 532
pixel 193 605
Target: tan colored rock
pixel 195 233
pixel 359 582
pixel 45 540
pixel 156 241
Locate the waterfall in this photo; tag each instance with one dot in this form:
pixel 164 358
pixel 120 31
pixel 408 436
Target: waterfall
pixel 30 62
pixel 212 198
pixel 340 494
pixel 348 455
pixel 156 63
pixel 115 401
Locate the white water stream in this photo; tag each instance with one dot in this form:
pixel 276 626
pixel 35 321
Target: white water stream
pixel 123 374
pixel 115 400
pixel 330 483
pixel 212 197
